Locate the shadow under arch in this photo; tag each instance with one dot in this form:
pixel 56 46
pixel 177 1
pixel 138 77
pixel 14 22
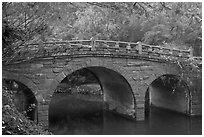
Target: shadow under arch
pixel 168 92
pixel 117 92
pixel 23 98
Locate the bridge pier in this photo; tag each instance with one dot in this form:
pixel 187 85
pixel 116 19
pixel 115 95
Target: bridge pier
pixel 140 108
pixel 43 111
pixel 140 114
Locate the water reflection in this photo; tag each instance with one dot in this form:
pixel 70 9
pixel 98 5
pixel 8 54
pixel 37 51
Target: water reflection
pixel 71 115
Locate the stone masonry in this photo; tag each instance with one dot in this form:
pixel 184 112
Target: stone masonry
pixel 42 75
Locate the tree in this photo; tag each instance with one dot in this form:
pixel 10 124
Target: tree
pixel 22 23
pixel 178 22
pixel 151 22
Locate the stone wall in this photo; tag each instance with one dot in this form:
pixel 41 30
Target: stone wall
pixel 43 75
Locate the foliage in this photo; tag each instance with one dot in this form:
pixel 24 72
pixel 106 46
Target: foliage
pixel 15 123
pixel 157 23
pixel 22 22
pixel 75 80
pixel 174 24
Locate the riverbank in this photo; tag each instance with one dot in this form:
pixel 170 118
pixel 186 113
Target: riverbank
pixel 15 123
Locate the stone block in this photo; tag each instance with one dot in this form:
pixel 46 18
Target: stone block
pixel 32 85
pixel 48 62
pixel 22 65
pixel 146 68
pixel 48 65
pixel 145 77
pixel 67 71
pixel 60 77
pixel 140 98
pixel 46 70
pixel 51 75
pixel 136 69
pixel 42 116
pixel 41 86
pixel 140 101
pixel 140 79
pixel 140 117
pixel 36 66
pixel 57 70
pixel 54 85
pixel 43 112
pixel 39 96
pixel 39 75
pixel 129 68
pixel 36 81
pixel 43 119
pixel 95 61
pixel 47 83
pixel 136 79
pixel 120 63
pixel 68 60
pixel 140 105
pixel 43 107
pixel 136 63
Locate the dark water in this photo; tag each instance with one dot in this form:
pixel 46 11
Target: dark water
pixel 74 116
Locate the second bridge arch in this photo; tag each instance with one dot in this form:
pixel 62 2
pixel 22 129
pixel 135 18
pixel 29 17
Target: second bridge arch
pixel 117 93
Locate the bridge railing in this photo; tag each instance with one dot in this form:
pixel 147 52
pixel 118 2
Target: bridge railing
pixel 142 48
pixel 99 47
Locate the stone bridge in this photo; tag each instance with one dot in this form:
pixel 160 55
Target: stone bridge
pixel 124 70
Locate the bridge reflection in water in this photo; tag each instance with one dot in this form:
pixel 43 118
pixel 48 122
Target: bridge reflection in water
pixel 88 117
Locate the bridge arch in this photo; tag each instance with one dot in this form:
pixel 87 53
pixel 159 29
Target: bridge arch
pixel 24 80
pixel 169 92
pixel 23 98
pixel 117 91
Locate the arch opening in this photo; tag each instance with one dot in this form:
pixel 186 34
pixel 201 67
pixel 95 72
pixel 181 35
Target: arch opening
pixel 112 90
pixel 23 98
pixel 117 92
pixel 168 92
